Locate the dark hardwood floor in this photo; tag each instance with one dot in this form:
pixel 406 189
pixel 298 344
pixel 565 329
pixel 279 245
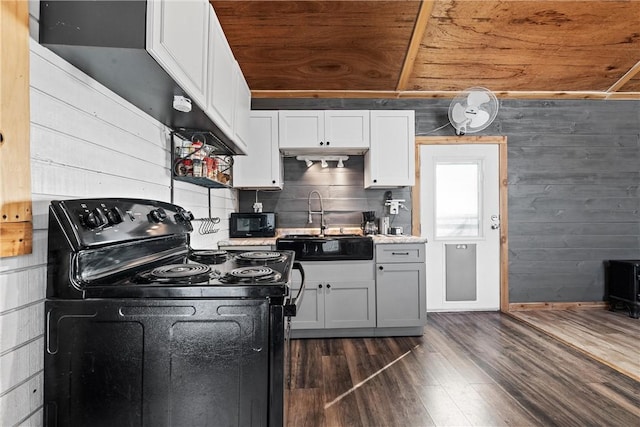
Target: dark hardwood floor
pixel 607 336
pixel 469 369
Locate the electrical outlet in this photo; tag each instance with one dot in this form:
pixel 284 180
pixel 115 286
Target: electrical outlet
pixel 394 205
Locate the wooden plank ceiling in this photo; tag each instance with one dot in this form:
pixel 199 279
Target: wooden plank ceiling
pixel 408 48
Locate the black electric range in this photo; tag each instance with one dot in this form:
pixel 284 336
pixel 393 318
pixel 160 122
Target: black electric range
pixel 143 330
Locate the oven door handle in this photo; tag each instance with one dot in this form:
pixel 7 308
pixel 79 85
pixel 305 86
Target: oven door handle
pixel 292 305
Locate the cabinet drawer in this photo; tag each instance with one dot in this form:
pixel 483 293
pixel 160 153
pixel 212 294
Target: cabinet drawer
pixel 338 270
pixel 411 252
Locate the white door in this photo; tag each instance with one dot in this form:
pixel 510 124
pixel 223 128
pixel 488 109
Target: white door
pixel 459 200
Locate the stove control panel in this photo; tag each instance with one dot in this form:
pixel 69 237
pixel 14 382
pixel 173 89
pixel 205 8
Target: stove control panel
pixel 92 222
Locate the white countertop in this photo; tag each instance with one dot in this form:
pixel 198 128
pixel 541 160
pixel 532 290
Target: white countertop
pixel 387 238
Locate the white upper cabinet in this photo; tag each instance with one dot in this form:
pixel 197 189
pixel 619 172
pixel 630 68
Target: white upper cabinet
pixel 331 131
pixel 222 74
pixel 242 110
pixel 177 34
pixel 188 41
pixel 390 161
pixel 262 168
pixel 347 129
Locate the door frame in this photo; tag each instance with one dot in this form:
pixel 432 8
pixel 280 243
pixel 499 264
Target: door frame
pixel 501 141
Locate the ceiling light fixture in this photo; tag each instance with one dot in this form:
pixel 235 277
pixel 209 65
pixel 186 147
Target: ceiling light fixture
pixel 308 160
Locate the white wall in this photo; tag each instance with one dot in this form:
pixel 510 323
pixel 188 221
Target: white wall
pixel 85 142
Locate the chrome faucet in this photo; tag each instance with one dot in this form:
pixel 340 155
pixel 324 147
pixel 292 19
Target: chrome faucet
pixel 323 226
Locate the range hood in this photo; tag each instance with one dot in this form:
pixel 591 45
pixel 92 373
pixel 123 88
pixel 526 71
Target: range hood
pixel 109 46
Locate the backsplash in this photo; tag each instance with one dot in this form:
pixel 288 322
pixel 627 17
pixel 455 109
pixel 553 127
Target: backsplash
pixel 343 194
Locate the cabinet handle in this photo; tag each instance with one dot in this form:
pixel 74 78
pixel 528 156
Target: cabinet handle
pixel 399 253
pixel 328 143
pixel 328 286
pixel 321 143
pixel 1 138
pixel 381 268
pixel 273 181
pixel 375 180
pixel 320 286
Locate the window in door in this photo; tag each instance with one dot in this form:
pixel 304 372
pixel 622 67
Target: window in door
pixel 457 189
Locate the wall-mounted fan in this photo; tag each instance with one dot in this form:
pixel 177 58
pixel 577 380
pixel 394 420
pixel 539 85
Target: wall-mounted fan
pixel 473 110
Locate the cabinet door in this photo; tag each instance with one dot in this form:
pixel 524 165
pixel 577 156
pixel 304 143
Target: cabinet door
pixel 401 295
pixel 347 129
pixel 242 109
pixel 262 167
pixel 311 312
pixel 177 34
pixel 301 129
pixel 349 304
pixel 222 74
pixel 390 161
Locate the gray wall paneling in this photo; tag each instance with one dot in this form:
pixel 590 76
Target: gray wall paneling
pixel 343 194
pixel 574 177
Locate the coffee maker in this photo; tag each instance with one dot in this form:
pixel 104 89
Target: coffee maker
pixel 369 225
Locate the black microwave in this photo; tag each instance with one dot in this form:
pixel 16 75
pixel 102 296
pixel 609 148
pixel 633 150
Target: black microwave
pixel 252 224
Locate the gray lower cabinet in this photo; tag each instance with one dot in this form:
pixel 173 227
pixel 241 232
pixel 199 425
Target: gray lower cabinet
pixel 339 296
pixel 401 285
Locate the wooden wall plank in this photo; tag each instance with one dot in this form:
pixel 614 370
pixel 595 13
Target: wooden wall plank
pixel 15 177
pixel 86 142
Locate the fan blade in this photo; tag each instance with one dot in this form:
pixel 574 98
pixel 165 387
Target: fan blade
pixel 458 113
pixel 480 118
pixel 476 98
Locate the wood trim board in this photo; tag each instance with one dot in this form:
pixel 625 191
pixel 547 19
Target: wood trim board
pixel 414 44
pixel 535 306
pixel 16 217
pixel 404 94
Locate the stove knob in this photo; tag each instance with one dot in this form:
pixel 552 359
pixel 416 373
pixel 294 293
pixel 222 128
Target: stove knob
pixel 115 216
pixel 94 219
pixel 184 216
pixel 157 215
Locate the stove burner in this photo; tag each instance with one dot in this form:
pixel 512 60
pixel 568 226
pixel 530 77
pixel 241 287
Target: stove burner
pixel 180 271
pixel 209 256
pixel 251 272
pixel 260 256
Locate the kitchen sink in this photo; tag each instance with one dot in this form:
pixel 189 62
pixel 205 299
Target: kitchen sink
pixel 323 236
pixel 332 247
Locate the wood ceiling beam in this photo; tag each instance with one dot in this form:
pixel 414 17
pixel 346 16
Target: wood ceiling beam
pixel 414 44
pixel 624 79
pixel 363 94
